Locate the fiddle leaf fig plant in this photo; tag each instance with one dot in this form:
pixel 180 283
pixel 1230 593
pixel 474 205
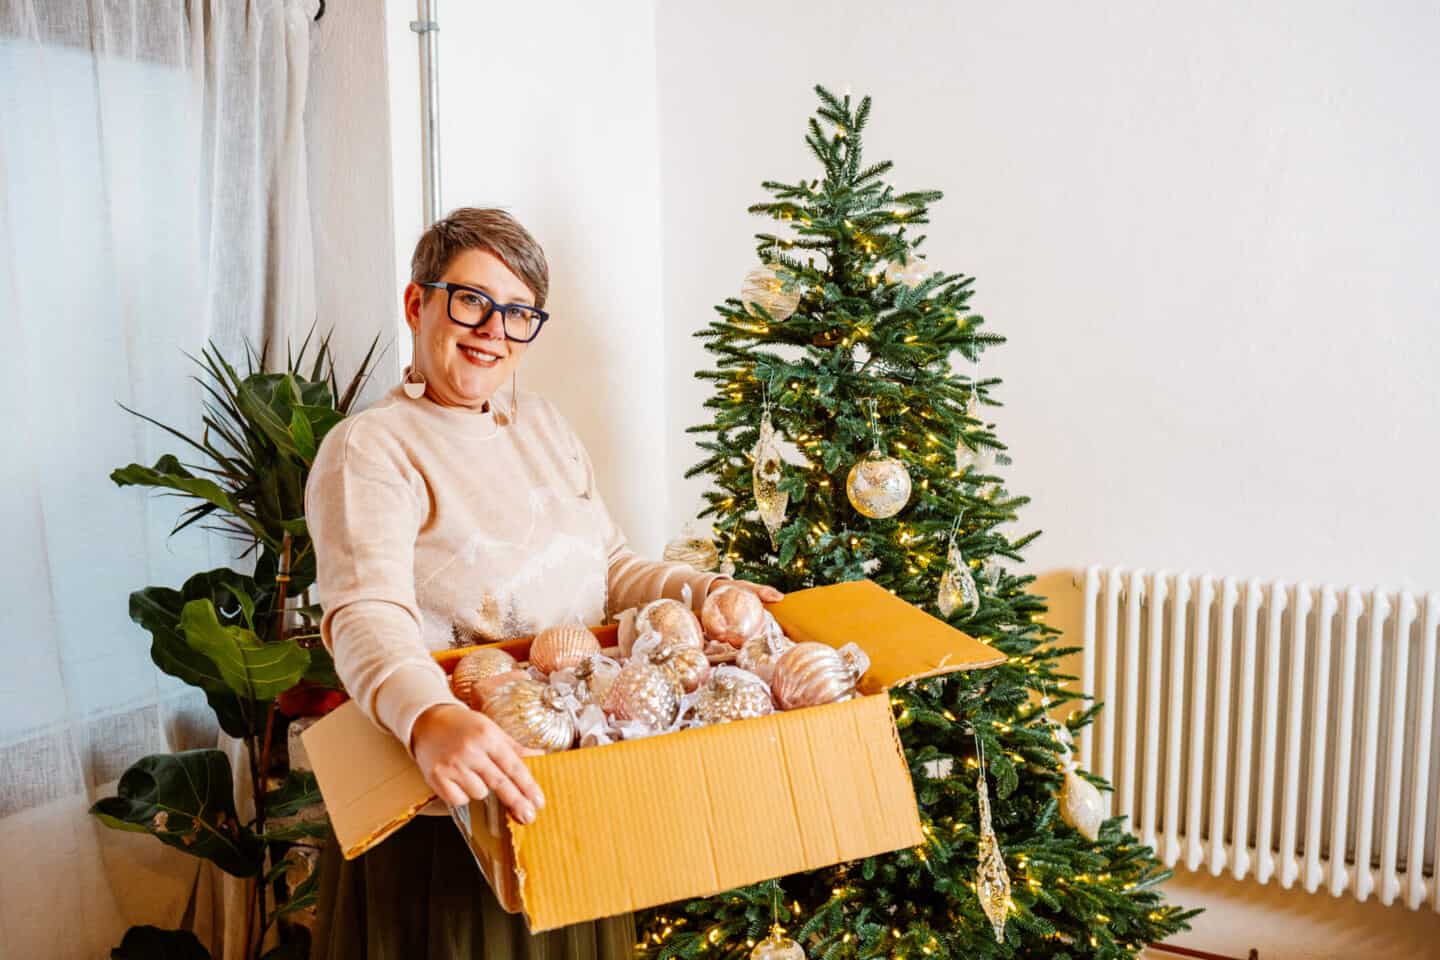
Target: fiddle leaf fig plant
pixel 244 639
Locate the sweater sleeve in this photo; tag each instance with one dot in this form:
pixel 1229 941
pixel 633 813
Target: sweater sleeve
pixel 633 580
pixel 364 506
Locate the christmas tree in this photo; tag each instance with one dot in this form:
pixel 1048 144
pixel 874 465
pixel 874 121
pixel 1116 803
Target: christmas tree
pixel 844 445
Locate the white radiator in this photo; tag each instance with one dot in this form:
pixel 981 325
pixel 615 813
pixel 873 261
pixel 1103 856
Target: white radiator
pixel 1273 730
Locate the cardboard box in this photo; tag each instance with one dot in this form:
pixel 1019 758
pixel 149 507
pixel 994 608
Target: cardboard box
pixel 689 814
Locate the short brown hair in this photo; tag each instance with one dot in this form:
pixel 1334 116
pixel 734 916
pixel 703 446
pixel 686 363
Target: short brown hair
pixel 481 228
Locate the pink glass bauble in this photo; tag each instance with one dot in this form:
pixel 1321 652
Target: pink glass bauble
pixel 476 666
pixel 674 622
pixel 562 647
pixel 732 615
pixel 644 693
pixel 686 665
pixel 809 674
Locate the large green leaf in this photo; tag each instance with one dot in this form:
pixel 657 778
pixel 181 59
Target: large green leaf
pixel 158 609
pixel 152 943
pixel 186 800
pixel 251 669
pixel 168 473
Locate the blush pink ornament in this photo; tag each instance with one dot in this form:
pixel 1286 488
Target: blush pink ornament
pixel 643 692
pixel 562 647
pixel 673 621
pixel 477 666
pixel 687 666
pixel 732 615
pixel 810 674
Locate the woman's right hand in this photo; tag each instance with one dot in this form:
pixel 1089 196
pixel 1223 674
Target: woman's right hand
pixel 464 755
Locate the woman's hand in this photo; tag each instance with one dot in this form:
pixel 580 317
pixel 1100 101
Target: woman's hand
pixel 464 755
pixel 767 594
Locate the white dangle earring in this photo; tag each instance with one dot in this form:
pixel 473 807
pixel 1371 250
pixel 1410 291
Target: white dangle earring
pixel 414 383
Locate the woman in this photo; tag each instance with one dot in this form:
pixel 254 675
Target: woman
pixel 453 512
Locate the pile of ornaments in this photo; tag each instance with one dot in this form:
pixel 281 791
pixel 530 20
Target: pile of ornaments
pixel 671 671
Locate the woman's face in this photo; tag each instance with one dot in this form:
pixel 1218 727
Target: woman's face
pixel 464 366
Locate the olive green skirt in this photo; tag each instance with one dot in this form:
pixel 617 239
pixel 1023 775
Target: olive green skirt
pixel 420 896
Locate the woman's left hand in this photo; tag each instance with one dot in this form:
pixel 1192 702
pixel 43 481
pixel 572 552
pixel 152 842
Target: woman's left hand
pixel 766 593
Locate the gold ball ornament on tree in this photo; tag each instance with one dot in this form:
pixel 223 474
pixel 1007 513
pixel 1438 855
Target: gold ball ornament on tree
pixel 562 647
pixel 878 486
pixel 732 615
pixel 673 621
pixel 643 692
pixel 777 946
pixel 534 714
pixel 911 272
pixel 810 674
pixel 476 666
pixel 766 287
pixel 733 694
pixel 694 549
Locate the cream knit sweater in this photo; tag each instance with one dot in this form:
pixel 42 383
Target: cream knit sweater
pixel 438 527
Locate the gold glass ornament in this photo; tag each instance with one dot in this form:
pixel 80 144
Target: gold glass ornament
pixel 991 570
pixel 759 655
pixel 777 946
pixel 644 692
pixel 770 500
pixel 732 615
pixel 911 272
pixel 690 547
pixel 672 620
pixel 593 678
pixel 809 674
pixel 475 666
pixel 765 287
pixel 1081 805
pixel 957 584
pixel 733 694
pixel 686 665
pixel 532 713
pixel 562 647
pixel 992 880
pixel 878 486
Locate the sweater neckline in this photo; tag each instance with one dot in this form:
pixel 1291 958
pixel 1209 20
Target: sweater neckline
pixel 485 423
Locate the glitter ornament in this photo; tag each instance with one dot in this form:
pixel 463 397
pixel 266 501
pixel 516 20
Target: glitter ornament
pixel 770 500
pixel 911 272
pixel 992 880
pixel 732 615
pixel 645 693
pixel 684 664
pixel 487 687
pixel 777 946
pixel 733 694
pixel 957 584
pixel 562 647
pixel 878 486
pixel 673 621
pixel 765 287
pixel 534 714
pixel 809 674
pixel 691 548
pixel 1081 805
pixel 475 666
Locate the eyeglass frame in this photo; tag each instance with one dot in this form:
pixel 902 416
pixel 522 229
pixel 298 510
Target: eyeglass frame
pixel 450 289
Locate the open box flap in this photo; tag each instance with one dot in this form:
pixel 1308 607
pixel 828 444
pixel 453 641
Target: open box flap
pixel 902 641
pixel 370 784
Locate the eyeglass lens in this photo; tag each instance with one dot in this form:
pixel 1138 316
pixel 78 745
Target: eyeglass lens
pixel 473 309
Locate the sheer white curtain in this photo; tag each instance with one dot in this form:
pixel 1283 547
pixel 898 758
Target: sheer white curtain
pixel 152 196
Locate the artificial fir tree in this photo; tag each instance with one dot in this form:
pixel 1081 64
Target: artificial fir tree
pixel 846 340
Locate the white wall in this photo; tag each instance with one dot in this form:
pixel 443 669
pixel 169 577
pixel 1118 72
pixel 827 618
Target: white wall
pixel 1210 236
pixel 549 110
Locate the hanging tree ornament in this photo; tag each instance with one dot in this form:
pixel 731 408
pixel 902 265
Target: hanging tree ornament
pixel 911 272
pixel 992 880
pixel 991 570
pixel 878 486
pixel 770 500
pixel 773 288
pixel 694 548
pixel 957 584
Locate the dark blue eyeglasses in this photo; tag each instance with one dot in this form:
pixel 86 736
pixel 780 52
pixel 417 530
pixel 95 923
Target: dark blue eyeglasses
pixel 471 308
